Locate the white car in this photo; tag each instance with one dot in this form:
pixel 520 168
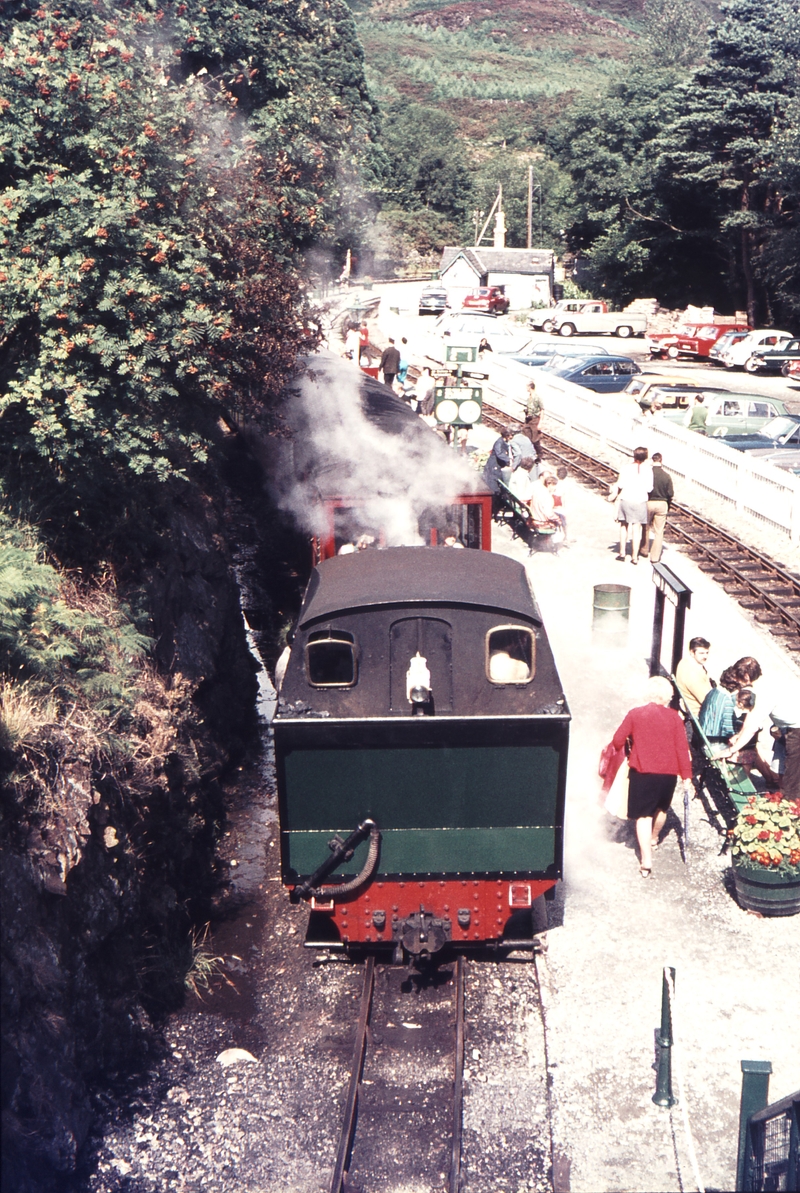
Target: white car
pixel 468 330
pixel 739 354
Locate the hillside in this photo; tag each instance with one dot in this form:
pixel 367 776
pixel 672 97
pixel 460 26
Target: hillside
pixel 492 65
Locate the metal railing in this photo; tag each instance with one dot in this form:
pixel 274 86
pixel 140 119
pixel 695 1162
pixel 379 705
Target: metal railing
pixel 748 485
pixel 771 1159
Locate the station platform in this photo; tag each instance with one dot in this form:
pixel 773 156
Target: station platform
pixel 611 932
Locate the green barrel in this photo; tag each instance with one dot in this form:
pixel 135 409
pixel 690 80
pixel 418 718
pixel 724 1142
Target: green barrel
pixel 767 891
pixel 611 607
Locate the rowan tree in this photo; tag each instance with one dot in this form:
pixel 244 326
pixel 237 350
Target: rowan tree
pixel 153 225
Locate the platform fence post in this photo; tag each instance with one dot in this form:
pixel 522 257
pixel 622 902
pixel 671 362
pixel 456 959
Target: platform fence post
pixel 663 1095
pixel 754 1097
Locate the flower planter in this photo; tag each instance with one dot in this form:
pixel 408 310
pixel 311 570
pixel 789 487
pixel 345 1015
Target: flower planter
pixel 767 891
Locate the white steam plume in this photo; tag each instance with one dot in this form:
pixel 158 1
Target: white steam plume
pixel 339 451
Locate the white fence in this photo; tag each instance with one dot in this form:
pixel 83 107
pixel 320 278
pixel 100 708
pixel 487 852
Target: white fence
pixel 749 485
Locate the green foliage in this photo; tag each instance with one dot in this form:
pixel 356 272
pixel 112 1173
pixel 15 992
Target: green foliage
pixel 685 188
pixel 76 644
pixel 551 194
pixel 163 174
pixel 426 168
pixel 471 64
pixel 675 31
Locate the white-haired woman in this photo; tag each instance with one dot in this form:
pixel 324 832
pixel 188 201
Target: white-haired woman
pixel 658 755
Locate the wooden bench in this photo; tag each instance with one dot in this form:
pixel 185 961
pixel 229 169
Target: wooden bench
pixel 728 783
pixel 516 514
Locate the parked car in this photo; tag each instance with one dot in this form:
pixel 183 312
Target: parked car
pixel 793 370
pixel 738 355
pixel 671 390
pixel 694 340
pixel 787 458
pixel 469 328
pixel 718 350
pixel 732 413
pixel 778 433
pixel 603 374
pixel 594 318
pixel 492 299
pixel 433 300
pixel 544 318
pixel 775 360
pixel 536 357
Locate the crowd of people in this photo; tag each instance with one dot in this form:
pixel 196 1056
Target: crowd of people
pixel 748 720
pixel 745 718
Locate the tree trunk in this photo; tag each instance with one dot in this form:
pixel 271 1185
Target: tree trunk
pixel 747 266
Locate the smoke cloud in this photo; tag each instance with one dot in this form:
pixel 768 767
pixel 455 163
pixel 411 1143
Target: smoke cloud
pixel 354 439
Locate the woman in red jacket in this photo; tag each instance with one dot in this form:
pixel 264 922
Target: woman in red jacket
pixel 658 755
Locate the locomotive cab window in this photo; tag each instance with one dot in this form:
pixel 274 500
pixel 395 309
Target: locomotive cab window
pixel 331 659
pixel 510 655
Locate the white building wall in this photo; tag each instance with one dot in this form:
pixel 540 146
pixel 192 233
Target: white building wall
pixel 524 289
pixel 459 279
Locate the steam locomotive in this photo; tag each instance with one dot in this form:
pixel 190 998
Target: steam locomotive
pixel 421 743
pixel 375 472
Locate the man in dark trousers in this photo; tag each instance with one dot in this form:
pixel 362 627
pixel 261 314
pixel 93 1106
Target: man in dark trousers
pixel 390 363
pixel 659 500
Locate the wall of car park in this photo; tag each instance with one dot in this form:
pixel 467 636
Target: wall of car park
pixel 750 486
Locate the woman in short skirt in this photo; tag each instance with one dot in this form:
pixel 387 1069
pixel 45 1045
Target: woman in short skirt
pixel 633 489
pixel 658 755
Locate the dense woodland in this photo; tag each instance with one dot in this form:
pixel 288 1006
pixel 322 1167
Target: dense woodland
pixel 173 179
pixel 664 140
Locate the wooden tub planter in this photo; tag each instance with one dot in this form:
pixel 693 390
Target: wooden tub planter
pixel 770 892
pixel 766 854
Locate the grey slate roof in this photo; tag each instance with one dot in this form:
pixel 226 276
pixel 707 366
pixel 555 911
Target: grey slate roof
pixel 485 260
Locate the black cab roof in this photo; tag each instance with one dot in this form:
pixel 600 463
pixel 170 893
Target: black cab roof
pixel 418 575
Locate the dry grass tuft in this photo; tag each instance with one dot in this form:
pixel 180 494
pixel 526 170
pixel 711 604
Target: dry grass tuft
pixel 22 715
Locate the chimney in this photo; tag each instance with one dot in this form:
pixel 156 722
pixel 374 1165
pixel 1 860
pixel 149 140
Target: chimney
pixel 500 230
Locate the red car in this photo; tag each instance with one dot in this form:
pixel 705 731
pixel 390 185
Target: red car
pixel 693 340
pixel 491 299
pixel 793 370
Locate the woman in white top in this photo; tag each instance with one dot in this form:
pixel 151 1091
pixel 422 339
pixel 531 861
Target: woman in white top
pixel 633 488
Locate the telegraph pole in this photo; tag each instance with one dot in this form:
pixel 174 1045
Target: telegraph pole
pixel 530 206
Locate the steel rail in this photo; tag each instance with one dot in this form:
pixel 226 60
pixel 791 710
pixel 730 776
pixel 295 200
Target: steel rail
pixel 346 1139
pixel 357 1067
pixel 458 1081
pixel 688 527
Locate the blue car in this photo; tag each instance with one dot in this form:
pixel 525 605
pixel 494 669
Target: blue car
pixel 603 374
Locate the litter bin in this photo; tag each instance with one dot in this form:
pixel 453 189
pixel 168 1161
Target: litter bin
pixel 611 607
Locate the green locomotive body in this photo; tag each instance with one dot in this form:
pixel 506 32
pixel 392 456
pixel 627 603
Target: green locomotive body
pixel 421 701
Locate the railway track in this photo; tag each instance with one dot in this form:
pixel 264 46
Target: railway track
pixel 402 1116
pixel 760 585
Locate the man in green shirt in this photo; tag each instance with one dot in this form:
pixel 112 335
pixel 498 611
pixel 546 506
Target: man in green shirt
pixel 699 416
pixel 534 408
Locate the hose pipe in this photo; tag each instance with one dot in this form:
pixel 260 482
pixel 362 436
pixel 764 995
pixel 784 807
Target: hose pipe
pixel 363 877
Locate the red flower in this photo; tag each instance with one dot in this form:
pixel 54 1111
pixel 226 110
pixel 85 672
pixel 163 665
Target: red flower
pixel 776 861
pixel 774 797
pixel 751 819
pixel 777 834
pixel 763 835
